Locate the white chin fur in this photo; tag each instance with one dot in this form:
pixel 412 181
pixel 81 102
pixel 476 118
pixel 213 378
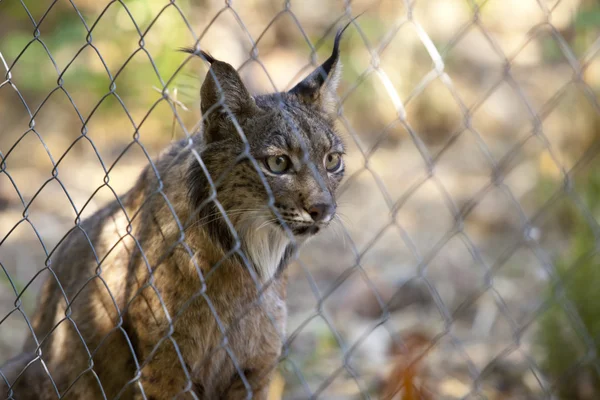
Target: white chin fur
pixel 265 245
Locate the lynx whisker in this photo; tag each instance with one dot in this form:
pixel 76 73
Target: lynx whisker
pixel 339 229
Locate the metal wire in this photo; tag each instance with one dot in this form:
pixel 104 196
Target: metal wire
pixel 311 384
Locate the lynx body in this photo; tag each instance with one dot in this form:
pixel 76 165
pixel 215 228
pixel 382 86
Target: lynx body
pixel 139 298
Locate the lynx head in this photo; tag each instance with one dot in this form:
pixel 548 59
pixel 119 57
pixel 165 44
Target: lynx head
pixel 286 140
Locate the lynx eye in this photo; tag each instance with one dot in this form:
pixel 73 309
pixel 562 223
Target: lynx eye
pixel 278 164
pixel 333 162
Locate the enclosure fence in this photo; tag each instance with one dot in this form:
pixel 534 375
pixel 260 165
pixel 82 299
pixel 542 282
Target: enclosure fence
pixel 395 377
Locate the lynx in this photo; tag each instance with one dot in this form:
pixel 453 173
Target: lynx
pixel 140 297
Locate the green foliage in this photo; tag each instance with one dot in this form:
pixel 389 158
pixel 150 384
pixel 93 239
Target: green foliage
pixel 561 341
pixel 588 16
pixel 114 36
pixel 580 35
pixel 13 285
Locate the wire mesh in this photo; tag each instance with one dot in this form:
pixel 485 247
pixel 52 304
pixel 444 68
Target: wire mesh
pixel 463 262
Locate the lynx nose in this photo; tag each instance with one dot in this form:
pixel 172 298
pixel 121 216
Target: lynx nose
pixel 322 212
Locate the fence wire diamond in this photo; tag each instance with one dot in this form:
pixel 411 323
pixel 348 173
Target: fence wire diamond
pixel 462 261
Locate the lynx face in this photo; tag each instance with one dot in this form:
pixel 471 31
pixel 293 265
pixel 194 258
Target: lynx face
pixel 301 159
pixel 277 150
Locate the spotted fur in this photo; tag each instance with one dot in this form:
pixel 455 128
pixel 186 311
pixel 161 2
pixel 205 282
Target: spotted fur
pixel 139 297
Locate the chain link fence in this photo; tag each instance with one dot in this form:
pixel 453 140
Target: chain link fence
pixel 464 262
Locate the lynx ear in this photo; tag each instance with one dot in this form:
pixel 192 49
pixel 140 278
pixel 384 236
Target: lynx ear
pixel 320 86
pixel 223 93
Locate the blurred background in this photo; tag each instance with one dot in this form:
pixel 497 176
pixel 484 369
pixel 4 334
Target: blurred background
pixel 466 263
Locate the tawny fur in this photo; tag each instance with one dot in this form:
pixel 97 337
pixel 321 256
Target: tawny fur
pixel 139 298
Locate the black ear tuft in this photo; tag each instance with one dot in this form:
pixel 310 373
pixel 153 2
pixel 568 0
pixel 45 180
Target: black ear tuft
pixel 333 59
pixel 198 53
pixel 223 97
pixel 319 87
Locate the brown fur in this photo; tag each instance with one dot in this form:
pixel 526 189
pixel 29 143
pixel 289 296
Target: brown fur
pixel 154 296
